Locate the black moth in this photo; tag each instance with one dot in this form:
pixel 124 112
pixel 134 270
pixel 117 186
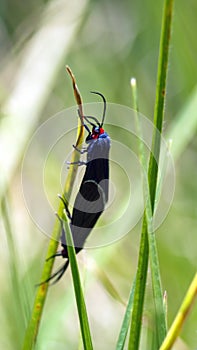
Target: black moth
pixel 93 192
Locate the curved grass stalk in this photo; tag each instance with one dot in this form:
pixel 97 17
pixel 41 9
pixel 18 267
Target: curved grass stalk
pixel 33 326
pixel 175 329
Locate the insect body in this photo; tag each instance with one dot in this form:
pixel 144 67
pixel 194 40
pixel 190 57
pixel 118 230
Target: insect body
pixel 93 192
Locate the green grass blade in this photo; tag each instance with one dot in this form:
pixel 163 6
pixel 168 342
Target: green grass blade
pixel 143 251
pixel 126 321
pixel 153 168
pixel 83 317
pixel 139 289
pixel 160 96
pixel 160 316
pixel 146 240
pixel 40 297
pixel 156 280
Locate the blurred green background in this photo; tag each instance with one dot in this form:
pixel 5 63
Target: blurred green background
pixel 105 43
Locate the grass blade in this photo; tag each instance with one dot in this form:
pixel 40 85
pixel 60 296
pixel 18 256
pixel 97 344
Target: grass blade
pixel 181 316
pixel 139 289
pixel 149 240
pixel 33 326
pixel 83 318
pixel 126 321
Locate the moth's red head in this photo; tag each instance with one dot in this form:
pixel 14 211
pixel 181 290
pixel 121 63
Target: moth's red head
pixel 96 132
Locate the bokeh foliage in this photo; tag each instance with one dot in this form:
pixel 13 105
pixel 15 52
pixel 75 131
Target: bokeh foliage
pixel 112 42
